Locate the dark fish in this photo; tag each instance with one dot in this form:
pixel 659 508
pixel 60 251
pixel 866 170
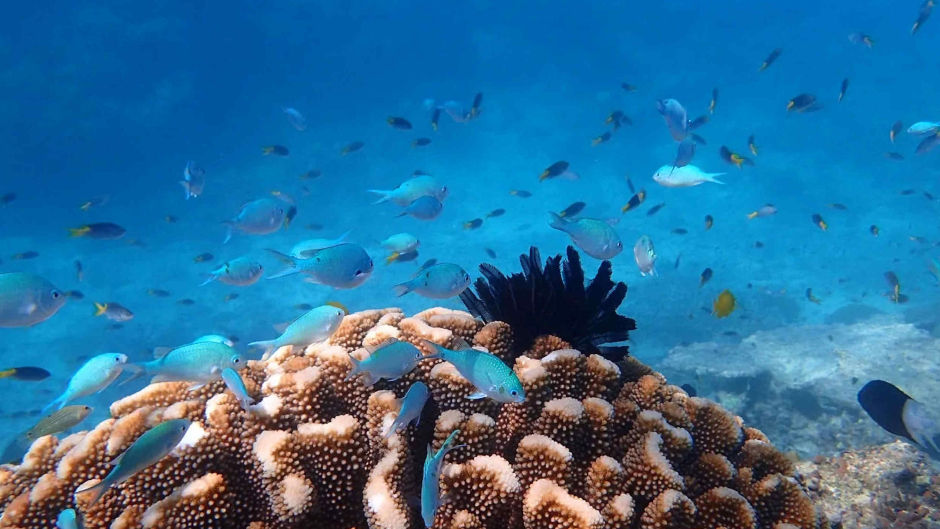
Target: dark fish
pixel 158 293
pixel 398 123
pixel 836 205
pixel 928 196
pixel 894 155
pixel 170 219
pixel 898 413
pixel 186 302
pixel 7 198
pixel 628 87
pixel 874 230
pixel 275 150
pixel 496 213
pixel 79 271
pixel 734 158
pixel 630 185
pixel 706 275
pixel 352 147
pixel 521 193
pixel 314 227
pixel 113 311
pixel 617 118
pixel 802 103
pixel 75 294
pixel 895 293
pixel 676 264
pixel 758 244
pixel 420 142
pixel 861 38
pixel 845 86
pixel 435 118
pixel 311 174
pixel 684 153
pixel 634 201
pixel 698 122
pixel 472 224
pixel 752 145
pixel 25 255
pixel 895 130
pixel 475 106
pixel 289 216
pixel 698 139
pixel 406 256
pixel 713 102
pixel 811 297
pixel 689 389
pixel 908 191
pixel 555 169
pixel 709 222
pixel 818 221
pixel 655 209
pixel 99 230
pixel 490 253
pixel 572 210
pixel 603 138
pixel 24 373
pixel 770 59
pixel 303 306
pixel 928 143
pixel 203 257
pixel 428 264
pixel 680 231
pixel 230 297
pixel 925 9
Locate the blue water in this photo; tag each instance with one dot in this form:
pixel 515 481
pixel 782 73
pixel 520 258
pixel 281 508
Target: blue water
pixel 114 98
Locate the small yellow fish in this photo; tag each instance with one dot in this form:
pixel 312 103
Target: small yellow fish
pixel 724 304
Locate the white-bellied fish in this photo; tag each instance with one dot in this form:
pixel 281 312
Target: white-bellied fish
pixel 677 119
pixel 59 421
pixel 149 448
pixel 423 208
pixel 305 249
pixel 198 362
pixel 27 299
pixel 431 479
pixel 194 180
pixel 343 266
pixel 411 405
pixel 490 375
pixel 645 256
pixel 258 217
pixel 239 272
pixel 316 325
pixel 391 360
pixel 95 374
pixel 399 244
pixel 764 211
pixel 235 384
pixel 440 281
pixel 295 118
pixel 687 176
pixel 595 237
pixel 411 190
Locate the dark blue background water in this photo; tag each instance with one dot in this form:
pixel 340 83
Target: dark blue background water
pixel 113 98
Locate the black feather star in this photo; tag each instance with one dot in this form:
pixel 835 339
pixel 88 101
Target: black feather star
pixel 554 301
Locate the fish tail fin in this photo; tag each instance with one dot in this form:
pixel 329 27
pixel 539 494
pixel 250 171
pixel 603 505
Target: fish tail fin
pixel 78 232
pixel 711 177
pixel 136 371
pixel 56 404
pixel 356 368
pixel 290 262
pixel 751 215
pixel 229 227
pixel 558 222
pixel 403 288
pixel 98 489
pixel 386 195
pixel 100 308
pixel 267 345
pixel 209 278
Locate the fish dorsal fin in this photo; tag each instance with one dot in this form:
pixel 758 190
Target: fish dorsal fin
pixel 160 352
pixel 384 343
pixel 460 344
pixel 117 460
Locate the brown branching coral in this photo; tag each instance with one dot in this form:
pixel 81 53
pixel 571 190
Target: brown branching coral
pixel 589 448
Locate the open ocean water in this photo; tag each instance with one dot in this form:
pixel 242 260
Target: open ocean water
pixel 106 102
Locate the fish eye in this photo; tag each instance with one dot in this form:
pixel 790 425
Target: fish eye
pixel 236 360
pixel 56 294
pixel 514 393
pixel 619 245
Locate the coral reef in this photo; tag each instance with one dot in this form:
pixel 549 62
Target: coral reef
pixel 892 485
pixel 589 448
pixel 554 301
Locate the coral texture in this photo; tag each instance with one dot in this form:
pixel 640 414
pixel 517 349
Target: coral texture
pixel 589 448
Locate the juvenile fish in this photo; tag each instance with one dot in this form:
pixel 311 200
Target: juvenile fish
pixel 390 360
pixel 203 258
pixel 595 237
pixel 99 230
pixel 752 145
pixel 411 405
pixel 521 193
pixel 399 244
pixel 23 256
pixel 655 209
pixel 315 326
pixel 29 373
pixel 714 102
pixel 440 281
pixel 93 376
pixel 113 311
pixel 59 421
pixel 149 448
pixel 258 217
pixel 709 222
pixel 490 375
pixel 398 123
pixel 770 59
pixel 734 158
pixel 764 211
pixel 820 222
pixel 803 103
pixel 559 169
pixel 724 304
pixel 345 265
pixel 235 384
pixel 923 14
pixel 411 190
pixel 861 38
pixel 194 180
pixel 420 142
pixel 845 86
pixel 895 130
pixel 295 118
pixel 496 213
pixel 645 256
pixel 351 148
pixel 79 271
pixel 603 138
pixel 473 224
pixel 275 150
pixel 423 208
pixel 706 275
pixel 572 210
pixel 634 201
pixel 7 199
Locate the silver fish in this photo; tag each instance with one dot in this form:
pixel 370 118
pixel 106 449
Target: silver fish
pixel 59 421
pixel 645 256
pixel 677 119
pixel 194 180
pixel 240 272
pixel 258 217
pixel 596 237
pixel 26 300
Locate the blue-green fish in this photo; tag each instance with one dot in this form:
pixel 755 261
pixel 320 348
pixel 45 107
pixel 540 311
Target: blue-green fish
pixel 440 281
pixel 411 190
pixel 431 479
pixel 240 272
pixel 491 377
pixel 236 385
pixel 316 325
pixel 94 375
pixel 345 265
pixel 390 360
pixel 258 217
pixel 423 208
pixel 199 362
pixel 26 300
pixel 411 405
pixel 68 519
pixel 596 237
pixel 307 248
pixel 149 448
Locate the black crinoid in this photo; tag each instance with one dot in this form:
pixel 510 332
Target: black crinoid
pixel 554 301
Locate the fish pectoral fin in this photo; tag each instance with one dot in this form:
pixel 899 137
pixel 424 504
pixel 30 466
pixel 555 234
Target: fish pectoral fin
pixel 476 395
pixel 117 460
pixel 194 388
